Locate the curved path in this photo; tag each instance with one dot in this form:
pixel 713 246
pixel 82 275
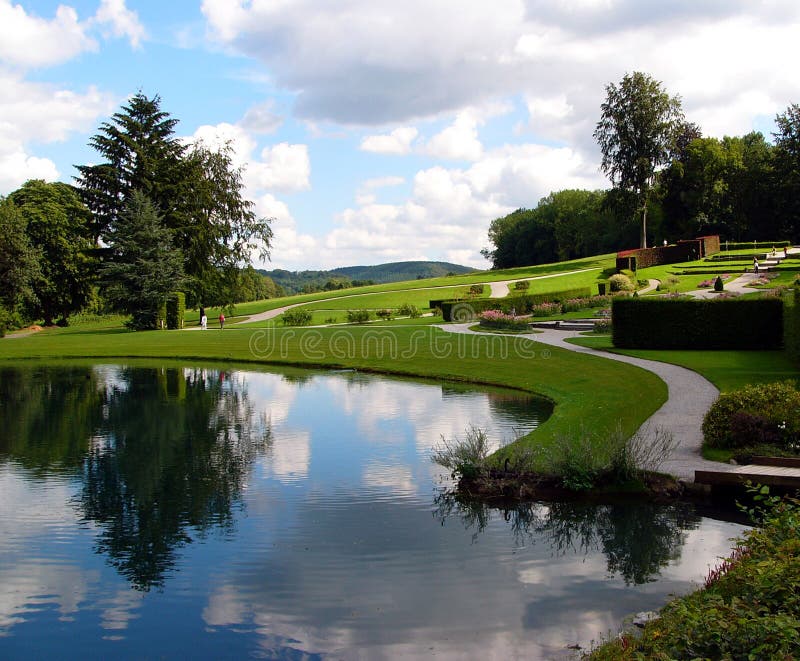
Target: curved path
pixel 499 290
pixel 690 397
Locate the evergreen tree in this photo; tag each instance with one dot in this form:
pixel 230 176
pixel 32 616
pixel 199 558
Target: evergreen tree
pixel 140 153
pixel 144 266
pixel 197 192
pixel 57 225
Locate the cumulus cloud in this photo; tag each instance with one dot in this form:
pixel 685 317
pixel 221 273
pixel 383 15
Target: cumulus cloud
pixel 397 142
pixel 117 20
pixel 38 112
pixel 282 167
pixel 421 59
pixel 27 40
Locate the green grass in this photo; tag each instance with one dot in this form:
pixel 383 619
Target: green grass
pixel 585 389
pixel 727 370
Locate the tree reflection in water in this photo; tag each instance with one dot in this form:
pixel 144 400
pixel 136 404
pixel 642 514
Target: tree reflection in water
pixel 161 453
pixel 638 539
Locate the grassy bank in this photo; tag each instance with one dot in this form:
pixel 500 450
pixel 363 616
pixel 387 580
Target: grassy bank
pixel 587 391
pixel 727 370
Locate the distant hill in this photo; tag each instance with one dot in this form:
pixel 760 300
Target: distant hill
pixel 297 281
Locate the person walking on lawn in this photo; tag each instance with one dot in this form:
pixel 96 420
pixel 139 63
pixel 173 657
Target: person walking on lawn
pixel 221 320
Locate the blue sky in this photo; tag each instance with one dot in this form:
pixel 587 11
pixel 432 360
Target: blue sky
pixel 376 131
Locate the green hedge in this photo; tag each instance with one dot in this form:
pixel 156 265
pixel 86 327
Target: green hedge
pixel 640 323
pixel 176 309
pixel 466 310
pixel 792 327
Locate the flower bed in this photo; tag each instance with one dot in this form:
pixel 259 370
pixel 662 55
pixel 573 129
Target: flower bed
pixel 500 320
pixel 707 284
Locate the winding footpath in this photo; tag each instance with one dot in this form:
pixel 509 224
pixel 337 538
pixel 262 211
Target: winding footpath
pixel 690 396
pixel 499 290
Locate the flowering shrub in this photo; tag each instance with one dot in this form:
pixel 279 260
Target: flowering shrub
pixel 545 309
pixel 754 415
pixel 620 282
pixel 574 304
pixel 498 319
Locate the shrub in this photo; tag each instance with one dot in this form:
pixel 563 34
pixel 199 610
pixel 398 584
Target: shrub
pixel 521 304
pixel 583 461
pixel 574 304
pixel 386 315
pixel 467 458
pixel 620 282
pixel 296 317
pixel 522 285
pixel 475 290
pixel 545 309
pixel 497 319
pixel 753 415
pixel 358 316
pixel 409 310
pixel 176 309
pixel 718 284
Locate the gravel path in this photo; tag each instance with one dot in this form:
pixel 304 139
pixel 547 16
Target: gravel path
pixel 690 396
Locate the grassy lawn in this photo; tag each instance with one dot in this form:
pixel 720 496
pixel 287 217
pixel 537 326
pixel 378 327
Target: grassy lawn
pixel 728 370
pixel 587 391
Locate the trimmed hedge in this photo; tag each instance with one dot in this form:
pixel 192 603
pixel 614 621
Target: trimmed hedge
pixel 640 323
pixel 792 328
pixel 455 310
pixel 176 309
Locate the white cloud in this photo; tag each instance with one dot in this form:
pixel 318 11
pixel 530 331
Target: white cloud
pixel 397 142
pixel 458 141
pixel 114 17
pixel 29 41
pixel 37 112
pixel 281 167
pixel 417 60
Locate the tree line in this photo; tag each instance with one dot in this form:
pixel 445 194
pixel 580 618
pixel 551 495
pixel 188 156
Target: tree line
pixel 154 215
pixel 669 182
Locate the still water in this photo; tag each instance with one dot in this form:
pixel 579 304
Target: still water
pixel 205 513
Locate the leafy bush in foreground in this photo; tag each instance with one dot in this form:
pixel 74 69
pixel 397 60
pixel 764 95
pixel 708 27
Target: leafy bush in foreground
pixel 409 310
pixel 750 608
pixel 763 414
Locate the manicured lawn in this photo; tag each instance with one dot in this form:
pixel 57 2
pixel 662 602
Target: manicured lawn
pixel 589 392
pixel 728 370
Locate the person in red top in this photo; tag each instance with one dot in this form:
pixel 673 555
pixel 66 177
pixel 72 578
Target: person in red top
pixel 221 321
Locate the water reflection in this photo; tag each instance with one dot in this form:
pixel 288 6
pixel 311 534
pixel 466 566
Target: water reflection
pixel 289 516
pixel 161 454
pixel 637 539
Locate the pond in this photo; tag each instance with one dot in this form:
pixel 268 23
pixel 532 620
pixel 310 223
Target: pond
pixel 152 512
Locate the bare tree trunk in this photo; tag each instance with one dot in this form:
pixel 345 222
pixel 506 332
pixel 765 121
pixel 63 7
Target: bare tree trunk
pixel 644 225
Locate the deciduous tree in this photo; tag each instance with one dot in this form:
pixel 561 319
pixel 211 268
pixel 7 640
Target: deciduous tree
pixel 57 225
pixel 637 134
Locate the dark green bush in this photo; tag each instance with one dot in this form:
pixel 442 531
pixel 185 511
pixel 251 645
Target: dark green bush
pixel 522 285
pixel 297 317
pixel 386 314
pixel 657 323
pixel 358 316
pixel 409 310
pixel 175 309
pixel 718 286
pixel 763 414
pixel 792 325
